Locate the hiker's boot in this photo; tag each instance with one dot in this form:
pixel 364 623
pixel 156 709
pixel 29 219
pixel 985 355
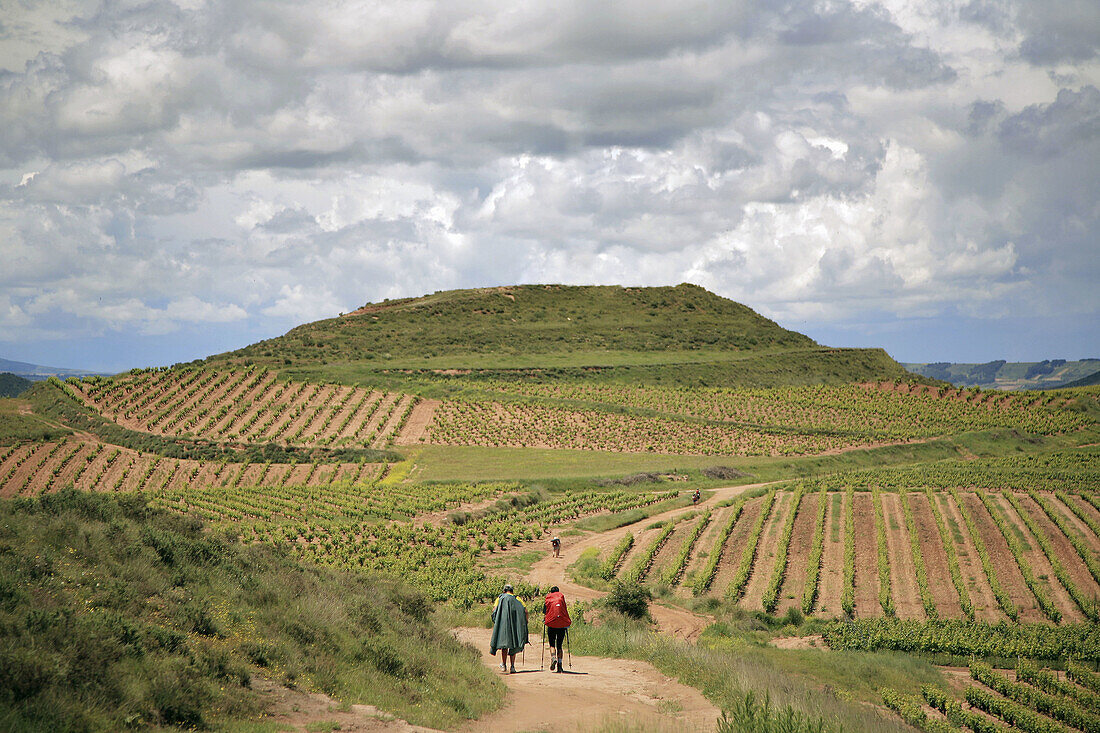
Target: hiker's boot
pixel 553 663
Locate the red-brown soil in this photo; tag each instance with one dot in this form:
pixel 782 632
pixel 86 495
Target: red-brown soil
pixel 671 547
pixel 977 584
pixel 932 550
pixel 798 554
pixel 416 427
pixel 866 595
pixel 735 545
pixel 701 553
pixel 831 580
pixel 1008 572
pixel 766 552
pixel 1063 550
pixel 903 574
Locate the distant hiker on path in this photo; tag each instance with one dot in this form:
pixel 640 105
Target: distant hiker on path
pixel 509 628
pixel 556 544
pixel 557 621
pixel 695 497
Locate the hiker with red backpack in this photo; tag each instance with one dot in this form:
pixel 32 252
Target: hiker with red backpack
pixel 557 623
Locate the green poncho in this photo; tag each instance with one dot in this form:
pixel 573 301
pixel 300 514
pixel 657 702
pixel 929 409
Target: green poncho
pixel 509 624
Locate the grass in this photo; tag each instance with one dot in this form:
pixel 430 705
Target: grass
pixel 727 667
pixel 18 424
pixel 118 616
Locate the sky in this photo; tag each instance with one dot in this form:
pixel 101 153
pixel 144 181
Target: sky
pixel 182 178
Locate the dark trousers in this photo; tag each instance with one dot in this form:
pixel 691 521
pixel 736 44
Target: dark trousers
pixel 557 638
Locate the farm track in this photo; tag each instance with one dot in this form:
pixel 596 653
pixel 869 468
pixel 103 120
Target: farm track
pixel 766 552
pixel 866 596
pixel 671 620
pixel 943 591
pixel 1040 564
pixel 1008 572
pixel 903 573
pixel 798 555
pixel 830 583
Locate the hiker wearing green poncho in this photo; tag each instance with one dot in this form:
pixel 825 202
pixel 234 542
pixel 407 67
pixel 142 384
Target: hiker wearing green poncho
pixel 509 628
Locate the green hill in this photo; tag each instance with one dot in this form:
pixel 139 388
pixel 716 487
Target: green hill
pixel 12 385
pixel 1010 375
pixel 1089 381
pixel 683 334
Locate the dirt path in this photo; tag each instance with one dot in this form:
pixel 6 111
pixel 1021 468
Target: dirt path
pixel 670 620
pixel 977 584
pixel 932 550
pixel 866 599
pixel 591 692
pixel 903 573
pixel 304 711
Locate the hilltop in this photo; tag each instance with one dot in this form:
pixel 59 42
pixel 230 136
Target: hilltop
pixel 681 334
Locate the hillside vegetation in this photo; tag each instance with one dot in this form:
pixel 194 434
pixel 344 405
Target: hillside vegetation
pixel 681 335
pixel 117 616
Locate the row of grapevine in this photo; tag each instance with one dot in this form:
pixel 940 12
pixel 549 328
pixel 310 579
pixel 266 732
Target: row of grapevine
pixel 1083 603
pixel 675 569
pixel 641 566
pixel 706 577
pixel 926 599
pixel 250 405
pixel 813 568
pixel 779 570
pixel 748 554
pixel 999 592
pixel 885 598
pixel 964 638
pixel 1045 602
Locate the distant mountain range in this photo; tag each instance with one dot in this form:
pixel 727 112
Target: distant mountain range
pixel 38 372
pixel 1013 375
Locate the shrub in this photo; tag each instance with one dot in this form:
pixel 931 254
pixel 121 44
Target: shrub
pixel 629 600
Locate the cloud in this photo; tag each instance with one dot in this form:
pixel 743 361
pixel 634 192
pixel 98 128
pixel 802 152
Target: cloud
pixel 256 165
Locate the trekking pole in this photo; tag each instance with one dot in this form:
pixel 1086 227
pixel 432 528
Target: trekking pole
pixel 568 647
pixel 542 657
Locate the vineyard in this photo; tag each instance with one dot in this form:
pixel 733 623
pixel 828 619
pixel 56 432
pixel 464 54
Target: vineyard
pixel 706 421
pixel 248 405
pixel 929 553
pixel 1028 698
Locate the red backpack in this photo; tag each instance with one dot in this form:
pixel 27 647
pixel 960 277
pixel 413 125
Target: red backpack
pixel 557 615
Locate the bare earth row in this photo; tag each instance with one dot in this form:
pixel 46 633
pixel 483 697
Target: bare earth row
pixel 83 464
pixel 250 406
pixel 904 592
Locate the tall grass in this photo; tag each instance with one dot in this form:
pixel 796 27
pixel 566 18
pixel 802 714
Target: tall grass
pixel 727 673
pixel 115 616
